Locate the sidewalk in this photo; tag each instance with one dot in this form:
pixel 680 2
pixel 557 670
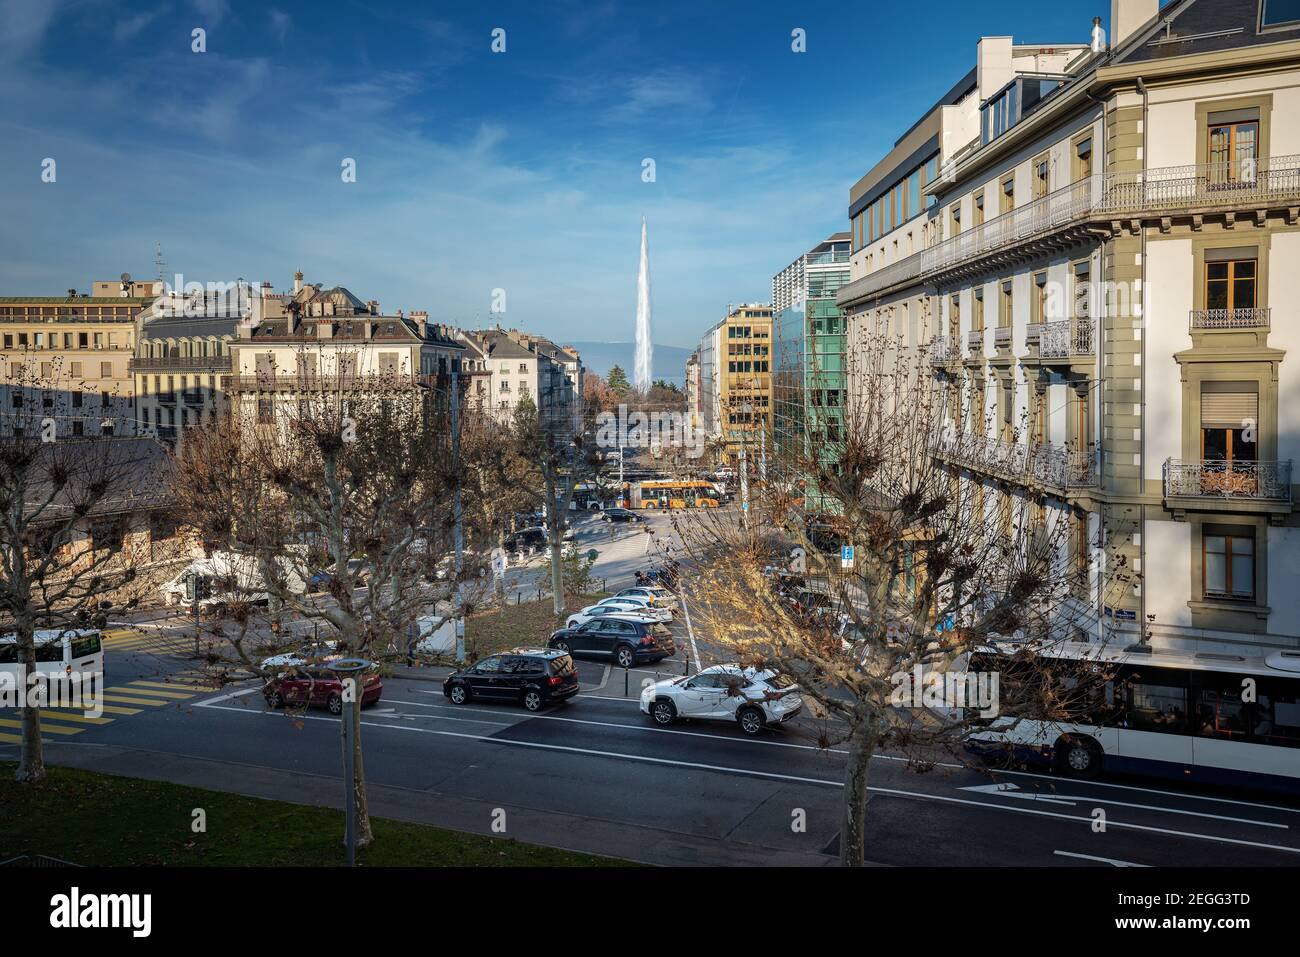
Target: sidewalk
pixel 646 845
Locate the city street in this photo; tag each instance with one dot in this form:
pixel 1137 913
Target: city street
pixel 595 775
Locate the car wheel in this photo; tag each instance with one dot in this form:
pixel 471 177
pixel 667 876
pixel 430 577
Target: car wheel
pixel 335 704
pixel 573 623
pixel 459 694
pixel 275 700
pixel 624 657
pixel 664 712
pixel 533 700
pixel 1079 757
pixel 751 720
pixel 561 646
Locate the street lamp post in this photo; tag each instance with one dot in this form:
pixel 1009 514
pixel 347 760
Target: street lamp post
pixel 347 670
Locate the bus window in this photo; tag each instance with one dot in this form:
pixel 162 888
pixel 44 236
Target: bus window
pixel 8 652
pixel 83 645
pixel 49 650
pixel 1277 713
pixel 1157 702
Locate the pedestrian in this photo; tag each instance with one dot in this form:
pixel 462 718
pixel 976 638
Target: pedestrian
pixel 649 538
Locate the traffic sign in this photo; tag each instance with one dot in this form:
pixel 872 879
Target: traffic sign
pixel 846 556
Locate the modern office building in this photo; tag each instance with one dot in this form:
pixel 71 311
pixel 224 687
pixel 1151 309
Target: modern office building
pixel 1101 259
pixel 809 372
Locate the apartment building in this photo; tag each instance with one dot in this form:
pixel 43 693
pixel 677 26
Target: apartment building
pixel 182 353
pixel 69 356
pixel 315 342
pixel 1103 285
pixel 520 364
pixel 743 379
pixel 809 377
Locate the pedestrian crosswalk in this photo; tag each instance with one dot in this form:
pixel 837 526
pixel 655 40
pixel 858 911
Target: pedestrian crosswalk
pixel 120 701
pixel 140 641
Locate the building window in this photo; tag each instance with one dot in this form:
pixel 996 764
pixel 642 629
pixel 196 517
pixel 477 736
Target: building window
pixel 1228 564
pixel 1230 284
pixel 1083 159
pixel 1042 176
pixel 954 219
pixel 977 315
pixel 1279 13
pixel 1040 299
pixel 1229 421
pixel 979 208
pixel 1233 145
pixel 1005 305
pixel 1008 194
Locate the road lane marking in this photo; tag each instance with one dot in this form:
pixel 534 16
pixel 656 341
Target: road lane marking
pixel 45 727
pixel 193 689
pixel 528 716
pixel 225 697
pixel 1105 860
pixel 1013 791
pixel 123 699
pixel 798 779
pixel 72 716
pixel 150 693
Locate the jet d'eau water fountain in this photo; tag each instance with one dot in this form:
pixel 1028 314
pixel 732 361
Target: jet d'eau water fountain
pixel 644 347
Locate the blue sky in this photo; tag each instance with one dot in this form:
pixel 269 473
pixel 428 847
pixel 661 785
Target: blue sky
pixel 475 171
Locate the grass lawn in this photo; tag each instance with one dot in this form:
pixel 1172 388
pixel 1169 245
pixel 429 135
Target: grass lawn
pixel 530 623
pixel 102 820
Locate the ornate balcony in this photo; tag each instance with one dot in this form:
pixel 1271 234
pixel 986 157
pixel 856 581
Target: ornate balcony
pixel 180 363
pixel 1247 319
pixel 1243 183
pixel 1222 485
pixel 1043 464
pixel 975 343
pixel 291 382
pixel 943 350
pixel 1063 342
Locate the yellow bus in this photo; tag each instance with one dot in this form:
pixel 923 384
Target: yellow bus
pixel 669 494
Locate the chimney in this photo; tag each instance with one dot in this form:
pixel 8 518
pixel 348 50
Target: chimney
pixel 267 292
pixel 421 320
pixel 1127 16
pixel 373 306
pixel 993 69
pixel 297 282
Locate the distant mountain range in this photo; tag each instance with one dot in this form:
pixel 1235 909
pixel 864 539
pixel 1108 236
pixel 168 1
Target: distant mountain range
pixel 668 362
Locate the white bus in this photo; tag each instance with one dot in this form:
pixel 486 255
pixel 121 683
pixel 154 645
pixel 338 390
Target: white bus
pixel 1207 717
pixel 60 653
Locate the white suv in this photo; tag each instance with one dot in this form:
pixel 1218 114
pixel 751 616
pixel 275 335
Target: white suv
pixel 636 606
pixel 753 699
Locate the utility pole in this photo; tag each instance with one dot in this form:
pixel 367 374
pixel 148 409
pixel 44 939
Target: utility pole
pixel 744 487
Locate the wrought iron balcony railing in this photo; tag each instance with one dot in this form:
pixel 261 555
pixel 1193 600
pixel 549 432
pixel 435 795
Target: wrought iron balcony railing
pixel 1042 463
pixel 290 382
pixel 1245 184
pixel 944 349
pixel 1069 337
pixel 1228 479
pixel 181 363
pixel 1229 319
pixel 975 341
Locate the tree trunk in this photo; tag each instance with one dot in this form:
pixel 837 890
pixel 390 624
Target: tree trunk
pixel 364 834
pixel 31 762
pixel 857 773
pixel 557 576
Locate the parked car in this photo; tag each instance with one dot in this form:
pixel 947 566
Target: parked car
pixel 629 639
pixel 526 540
pixel 315 684
pixel 533 677
pixel 753 699
pixel 619 515
pixel 633 606
pixel 658 595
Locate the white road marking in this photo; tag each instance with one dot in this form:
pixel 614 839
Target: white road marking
pixel 1105 860
pixel 1013 791
pixel 690 633
pixel 896 792
pixel 225 697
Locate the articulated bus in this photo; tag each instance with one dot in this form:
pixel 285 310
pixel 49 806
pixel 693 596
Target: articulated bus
pixel 1206 717
pixel 670 494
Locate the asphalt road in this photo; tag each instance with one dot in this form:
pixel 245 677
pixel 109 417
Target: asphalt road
pixel 596 775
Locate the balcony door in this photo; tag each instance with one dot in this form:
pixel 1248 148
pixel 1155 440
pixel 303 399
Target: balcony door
pixel 1229 437
pixel 1233 142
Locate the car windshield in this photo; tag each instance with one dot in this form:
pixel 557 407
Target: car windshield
pixel 779 682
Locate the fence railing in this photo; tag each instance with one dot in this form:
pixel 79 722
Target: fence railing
pixel 1069 337
pixel 1229 319
pixel 943 349
pixel 181 363
pixel 290 382
pixel 1042 462
pixel 1233 479
pixel 1245 182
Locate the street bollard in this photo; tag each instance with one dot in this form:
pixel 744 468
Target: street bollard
pixel 626 673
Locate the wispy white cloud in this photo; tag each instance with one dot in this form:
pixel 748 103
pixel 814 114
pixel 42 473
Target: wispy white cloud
pixel 130 27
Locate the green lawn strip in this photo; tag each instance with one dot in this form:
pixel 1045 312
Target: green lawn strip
pixel 530 623
pixel 104 820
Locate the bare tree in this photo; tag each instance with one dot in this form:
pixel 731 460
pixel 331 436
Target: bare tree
pixel 70 501
pixel 946 560
pixel 358 482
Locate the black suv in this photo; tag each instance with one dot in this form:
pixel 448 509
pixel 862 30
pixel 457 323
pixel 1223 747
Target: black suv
pixel 526 540
pixel 613 515
pixel 533 677
pixel 628 639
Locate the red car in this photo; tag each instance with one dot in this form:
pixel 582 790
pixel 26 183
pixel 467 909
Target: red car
pixel 317 685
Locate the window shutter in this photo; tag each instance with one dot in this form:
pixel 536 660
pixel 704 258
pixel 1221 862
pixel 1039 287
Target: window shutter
pixel 1228 410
